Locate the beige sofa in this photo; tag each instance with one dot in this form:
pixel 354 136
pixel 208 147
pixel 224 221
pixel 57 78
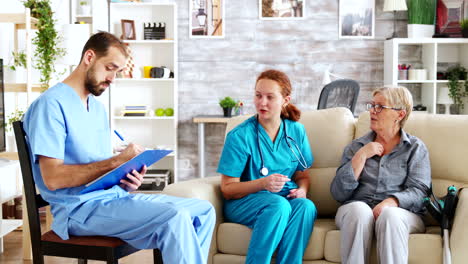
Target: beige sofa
pixel 329 131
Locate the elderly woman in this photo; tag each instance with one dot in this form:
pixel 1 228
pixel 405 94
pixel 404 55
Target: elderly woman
pixel 381 183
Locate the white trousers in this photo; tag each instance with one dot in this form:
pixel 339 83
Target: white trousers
pixel 392 228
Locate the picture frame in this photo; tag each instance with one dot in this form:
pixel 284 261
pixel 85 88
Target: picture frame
pixel 206 19
pixel 448 18
pixel 356 19
pixel 281 9
pixel 128 29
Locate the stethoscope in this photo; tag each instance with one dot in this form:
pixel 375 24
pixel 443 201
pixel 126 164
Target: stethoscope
pixel 264 170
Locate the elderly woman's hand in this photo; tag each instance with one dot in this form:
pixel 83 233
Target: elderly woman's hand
pixel 371 149
pixel 389 202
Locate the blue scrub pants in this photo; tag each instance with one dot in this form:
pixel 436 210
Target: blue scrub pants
pixel 180 227
pixel 277 222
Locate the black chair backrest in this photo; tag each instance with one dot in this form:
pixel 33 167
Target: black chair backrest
pixel 339 93
pixel 34 201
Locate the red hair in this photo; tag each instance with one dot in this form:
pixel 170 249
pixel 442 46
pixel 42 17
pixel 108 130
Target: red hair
pixel 290 111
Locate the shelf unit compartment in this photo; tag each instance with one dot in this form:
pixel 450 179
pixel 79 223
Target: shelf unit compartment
pixel 419 57
pixel 153 96
pixel 156 133
pixel 430 54
pixel 429 96
pixel 149 54
pixel 143 13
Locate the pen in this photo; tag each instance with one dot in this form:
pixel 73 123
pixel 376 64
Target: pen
pixel 120 136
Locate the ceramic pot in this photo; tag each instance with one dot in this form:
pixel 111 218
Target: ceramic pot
pixel 420 31
pixel 227 112
pixel 465 32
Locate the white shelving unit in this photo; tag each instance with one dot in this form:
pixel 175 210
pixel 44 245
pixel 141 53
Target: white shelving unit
pixel 23 21
pixel 97 20
pixel 426 53
pixel 11 187
pixel 150 131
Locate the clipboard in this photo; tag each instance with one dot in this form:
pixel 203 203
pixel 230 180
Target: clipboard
pixel 113 177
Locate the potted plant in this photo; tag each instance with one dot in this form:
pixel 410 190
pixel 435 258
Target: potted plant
pixel 227 103
pixel 457 89
pixel 421 18
pixel 85 8
pixel 16 115
pixel 46 40
pixel 464 27
pixel 15 72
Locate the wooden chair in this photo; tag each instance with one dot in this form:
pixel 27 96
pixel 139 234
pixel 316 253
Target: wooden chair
pixel 108 249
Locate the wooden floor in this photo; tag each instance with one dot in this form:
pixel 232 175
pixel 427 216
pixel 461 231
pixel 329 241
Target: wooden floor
pixel 13 253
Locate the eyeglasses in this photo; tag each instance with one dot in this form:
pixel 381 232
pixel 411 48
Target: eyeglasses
pixel 378 108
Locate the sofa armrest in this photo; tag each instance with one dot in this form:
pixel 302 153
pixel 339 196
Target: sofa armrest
pixel 205 189
pixel 459 233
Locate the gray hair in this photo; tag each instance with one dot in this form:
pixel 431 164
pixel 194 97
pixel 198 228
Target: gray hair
pixel 398 97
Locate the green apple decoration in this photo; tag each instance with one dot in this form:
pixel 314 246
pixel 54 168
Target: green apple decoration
pixel 159 112
pixel 169 111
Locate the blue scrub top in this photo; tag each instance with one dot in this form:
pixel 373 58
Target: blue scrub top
pixel 241 156
pixel 59 126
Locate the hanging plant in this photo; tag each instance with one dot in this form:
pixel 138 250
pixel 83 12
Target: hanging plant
pixel 46 40
pixel 457 89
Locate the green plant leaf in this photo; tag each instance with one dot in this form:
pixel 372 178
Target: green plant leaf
pixel 46 39
pixel 422 12
pixel 454 75
pixel 227 102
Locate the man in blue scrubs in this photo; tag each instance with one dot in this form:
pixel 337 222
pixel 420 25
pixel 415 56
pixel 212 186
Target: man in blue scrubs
pixel 69 140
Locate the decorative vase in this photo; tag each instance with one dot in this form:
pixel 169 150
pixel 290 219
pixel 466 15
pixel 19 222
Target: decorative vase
pixel 465 32
pixel 85 10
pixel 227 111
pixel 11 143
pixel 15 76
pixel 420 31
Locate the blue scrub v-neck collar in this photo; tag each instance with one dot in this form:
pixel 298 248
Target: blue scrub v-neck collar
pixel 266 139
pixel 75 94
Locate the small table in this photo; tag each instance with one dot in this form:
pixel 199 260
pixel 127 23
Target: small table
pixel 201 120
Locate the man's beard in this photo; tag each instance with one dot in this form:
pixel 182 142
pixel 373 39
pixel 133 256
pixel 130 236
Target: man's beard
pixel 92 84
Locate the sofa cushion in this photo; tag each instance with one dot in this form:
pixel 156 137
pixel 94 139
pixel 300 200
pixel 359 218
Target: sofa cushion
pixel 234 239
pixel 329 131
pixel 319 191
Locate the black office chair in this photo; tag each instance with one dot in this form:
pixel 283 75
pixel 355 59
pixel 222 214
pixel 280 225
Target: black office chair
pixel 108 249
pixel 339 93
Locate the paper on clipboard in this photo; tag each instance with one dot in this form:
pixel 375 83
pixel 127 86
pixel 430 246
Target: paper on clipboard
pixel 113 177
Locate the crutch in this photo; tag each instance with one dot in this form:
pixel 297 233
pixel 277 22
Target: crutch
pixel 448 213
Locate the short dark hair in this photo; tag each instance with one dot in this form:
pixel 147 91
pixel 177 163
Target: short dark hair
pixel 101 42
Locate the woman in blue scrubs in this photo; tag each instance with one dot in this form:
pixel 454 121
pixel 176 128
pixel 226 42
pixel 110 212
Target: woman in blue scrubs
pixel 264 167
